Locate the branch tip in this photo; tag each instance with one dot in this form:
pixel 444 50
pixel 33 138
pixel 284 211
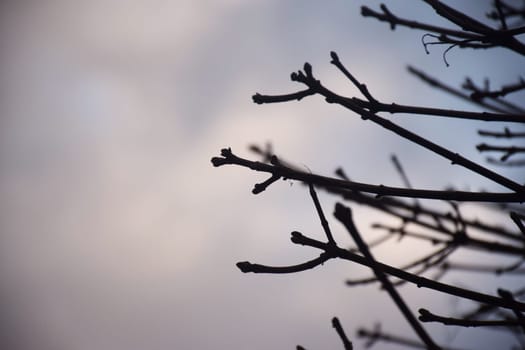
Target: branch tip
pixel 218 161
pixel 308 69
pixel 260 187
pixel 342 212
pixel 424 315
pixel 244 266
pixel 296 235
pixel 226 152
pixel 366 11
pixel 257 98
pixel 334 56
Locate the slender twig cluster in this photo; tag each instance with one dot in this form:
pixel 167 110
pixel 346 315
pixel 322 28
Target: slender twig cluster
pixel 447 230
pixel 472 33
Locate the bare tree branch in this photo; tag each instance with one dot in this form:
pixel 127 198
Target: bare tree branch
pixel 427 316
pixel 285 172
pixel 344 215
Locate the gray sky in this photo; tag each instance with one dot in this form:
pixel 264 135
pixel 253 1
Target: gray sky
pixel 116 232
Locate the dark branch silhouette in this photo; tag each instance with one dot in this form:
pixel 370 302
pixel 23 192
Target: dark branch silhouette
pixel 449 231
pixel 277 169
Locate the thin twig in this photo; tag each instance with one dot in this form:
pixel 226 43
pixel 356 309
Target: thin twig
pixel 378 335
pixel 340 331
pixel 505 134
pixel 246 266
pixel 395 108
pixel 508 151
pixel 479 94
pixel 344 215
pixel 425 260
pixel 299 238
pixel 322 218
pixel 427 316
pixel 497 270
pixel 517 218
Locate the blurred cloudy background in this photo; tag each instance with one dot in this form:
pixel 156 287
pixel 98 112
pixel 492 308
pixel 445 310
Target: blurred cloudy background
pixel 117 233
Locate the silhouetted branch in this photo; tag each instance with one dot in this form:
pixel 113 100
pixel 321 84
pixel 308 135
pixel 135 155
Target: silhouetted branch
pixel 473 30
pixel 459 18
pixel 443 39
pixel 308 79
pixel 246 266
pixel 260 187
pixel 344 215
pixel 390 205
pixel 427 316
pixel 394 21
pixel 340 331
pixel 504 11
pixel 228 158
pixel 457 238
pixel 260 99
pixel 299 238
pixel 403 232
pixel 377 335
pixel 479 94
pixel 507 150
pixel 448 228
pixel 416 211
pixel 431 262
pixel 514 163
pixel 497 270
pixel 507 89
pixel 266 153
pixel 322 218
pixel 517 218
pixel 362 87
pixel 426 261
pixel 484 309
pixel 471 242
pixel 437 112
pixel 499 9
pixel 400 170
pixel 505 294
pixel 455 92
pixel 505 134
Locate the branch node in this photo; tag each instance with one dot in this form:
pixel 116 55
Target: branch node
pixel 335 58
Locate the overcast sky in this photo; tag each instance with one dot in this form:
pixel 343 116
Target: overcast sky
pixel 116 231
